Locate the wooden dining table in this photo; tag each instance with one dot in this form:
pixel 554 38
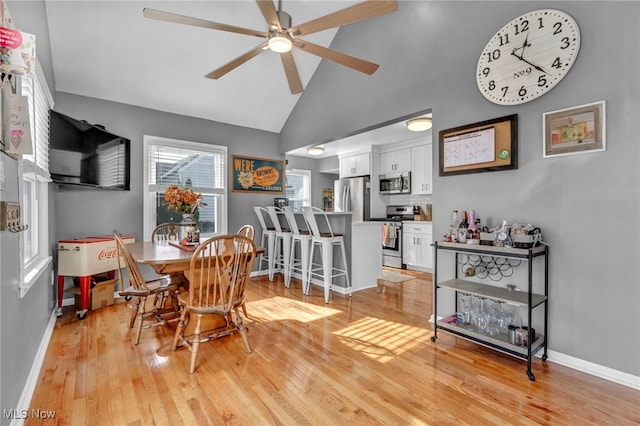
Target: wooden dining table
pixel 166 258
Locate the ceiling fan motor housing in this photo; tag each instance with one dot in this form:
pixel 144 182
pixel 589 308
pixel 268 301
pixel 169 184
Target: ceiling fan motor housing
pixel 285 19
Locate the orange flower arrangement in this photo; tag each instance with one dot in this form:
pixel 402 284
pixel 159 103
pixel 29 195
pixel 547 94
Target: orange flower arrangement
pixel 182 200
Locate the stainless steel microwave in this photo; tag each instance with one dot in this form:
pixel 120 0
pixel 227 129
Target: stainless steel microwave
pixel 395 183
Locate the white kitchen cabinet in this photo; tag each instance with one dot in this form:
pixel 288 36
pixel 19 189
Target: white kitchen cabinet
pixel 355 165
pixel 421 178
pixel 417 238
pixel 395 161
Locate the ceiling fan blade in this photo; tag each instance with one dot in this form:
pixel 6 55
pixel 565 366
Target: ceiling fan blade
pixel 269 11
pixel 187 20
pixel 295 85
pixel 355 13
pixel 217 73
pixel 338 57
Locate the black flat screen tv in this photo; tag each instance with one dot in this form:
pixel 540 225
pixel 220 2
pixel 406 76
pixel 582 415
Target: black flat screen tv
pixel 87 155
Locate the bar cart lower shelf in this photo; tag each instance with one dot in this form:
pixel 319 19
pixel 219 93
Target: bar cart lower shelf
pixel 528 299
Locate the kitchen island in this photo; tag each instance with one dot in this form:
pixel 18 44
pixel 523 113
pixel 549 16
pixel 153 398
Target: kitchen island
pixel 362 245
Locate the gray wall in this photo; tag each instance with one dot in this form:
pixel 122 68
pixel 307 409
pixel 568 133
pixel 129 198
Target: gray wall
pixel 583 203
pixel 23 321
pixel 77 211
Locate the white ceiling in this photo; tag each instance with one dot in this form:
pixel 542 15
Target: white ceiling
pixel 108 50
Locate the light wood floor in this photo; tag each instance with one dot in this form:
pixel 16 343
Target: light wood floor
pixel 365 360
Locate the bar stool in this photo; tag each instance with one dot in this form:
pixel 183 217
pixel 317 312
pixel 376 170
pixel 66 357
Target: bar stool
pixel 279 257
pixel 268 235
pixel 298 264
pixel 326 241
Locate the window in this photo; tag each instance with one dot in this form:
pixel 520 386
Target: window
pixel 201 167
pixel 34 171
pixel 298 188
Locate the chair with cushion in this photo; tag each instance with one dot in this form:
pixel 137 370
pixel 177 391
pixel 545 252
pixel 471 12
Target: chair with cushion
pixel 279 257
pixel 163 289
pixel 218 274
pixel 298 263
pixel 327 270
pixel 268 235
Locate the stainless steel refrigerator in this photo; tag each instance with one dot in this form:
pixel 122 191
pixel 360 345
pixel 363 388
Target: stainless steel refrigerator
pixel 353 195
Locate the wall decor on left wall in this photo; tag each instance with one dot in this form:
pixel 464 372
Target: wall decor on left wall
pixel 250 174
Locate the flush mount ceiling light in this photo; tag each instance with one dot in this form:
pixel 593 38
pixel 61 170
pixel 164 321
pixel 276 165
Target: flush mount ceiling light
pixel 315 150
pixel 419 124
pixel 280 43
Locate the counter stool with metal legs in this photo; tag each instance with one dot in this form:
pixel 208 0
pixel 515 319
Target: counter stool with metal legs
pixel 298 263
pixel 268 236
pixel 279 257
pixel 326 241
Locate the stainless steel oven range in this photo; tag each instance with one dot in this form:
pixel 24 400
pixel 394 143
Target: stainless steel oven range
pixel 392 234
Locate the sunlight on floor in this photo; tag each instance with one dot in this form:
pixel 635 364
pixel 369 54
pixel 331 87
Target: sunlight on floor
pixel 286 308
pixel 379 339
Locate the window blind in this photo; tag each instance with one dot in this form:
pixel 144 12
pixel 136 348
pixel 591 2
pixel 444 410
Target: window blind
pixel 200 170
pixel 40 102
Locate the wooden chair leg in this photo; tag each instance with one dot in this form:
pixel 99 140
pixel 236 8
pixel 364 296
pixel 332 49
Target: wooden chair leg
pixel 244 310
pixel 243 332
pixel 195 345
pixel 142 301
pixel 179 329
pixel 134 314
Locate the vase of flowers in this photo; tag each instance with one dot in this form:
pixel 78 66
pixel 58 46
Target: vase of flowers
pixel 185 202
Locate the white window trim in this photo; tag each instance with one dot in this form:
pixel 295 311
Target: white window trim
pixel 31 272
pixel 307 174
pixel 147 211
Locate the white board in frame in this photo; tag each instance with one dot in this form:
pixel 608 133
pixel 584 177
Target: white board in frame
pixel 576 130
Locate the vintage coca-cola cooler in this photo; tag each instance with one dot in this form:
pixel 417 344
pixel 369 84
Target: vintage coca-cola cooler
pixel 83 258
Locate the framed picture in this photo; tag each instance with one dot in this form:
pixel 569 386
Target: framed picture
pixel 486 146
pixel 574 130
pixel 250 174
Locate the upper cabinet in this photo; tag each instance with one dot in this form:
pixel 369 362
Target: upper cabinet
pixel 395 161
pixel 355 165
pixel 421 178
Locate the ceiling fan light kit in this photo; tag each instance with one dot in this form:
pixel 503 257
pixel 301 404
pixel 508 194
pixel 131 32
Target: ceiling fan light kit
pixel 282 36
pixel 315 150
pixel 419 124
pixel 280 43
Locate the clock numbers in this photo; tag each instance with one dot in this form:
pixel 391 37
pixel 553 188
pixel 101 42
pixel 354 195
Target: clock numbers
pixel 557 63
pixel 493 56
pixel 565 43
pixel 557 28
pixel 504 39
pixel 540 24
pixel 524 26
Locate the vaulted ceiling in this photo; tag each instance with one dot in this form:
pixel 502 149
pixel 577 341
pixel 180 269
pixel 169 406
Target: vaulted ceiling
pixel 108 50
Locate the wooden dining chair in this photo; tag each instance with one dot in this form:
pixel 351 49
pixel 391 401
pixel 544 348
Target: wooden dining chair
pixel 248 231
pixel 162 289
pixel 218 274
pixel 167 232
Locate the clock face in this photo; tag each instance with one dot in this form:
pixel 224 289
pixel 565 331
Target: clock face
pixel 528 57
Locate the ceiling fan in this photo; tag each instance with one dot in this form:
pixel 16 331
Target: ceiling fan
pixel 281 36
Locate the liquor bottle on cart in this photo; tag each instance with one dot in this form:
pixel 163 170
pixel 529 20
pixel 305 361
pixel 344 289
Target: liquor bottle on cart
pixel 462 229
pixel 473 235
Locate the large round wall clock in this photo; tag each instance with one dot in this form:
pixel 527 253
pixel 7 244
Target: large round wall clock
pixel 528 57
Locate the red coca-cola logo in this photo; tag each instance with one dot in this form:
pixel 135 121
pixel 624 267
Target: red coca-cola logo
pixel 107 253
